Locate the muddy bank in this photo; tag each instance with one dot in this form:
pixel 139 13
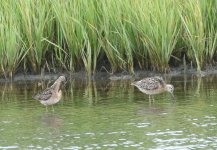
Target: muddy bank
pixel 81 75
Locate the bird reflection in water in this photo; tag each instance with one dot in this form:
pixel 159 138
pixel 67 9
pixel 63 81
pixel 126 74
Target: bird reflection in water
pixel 51 121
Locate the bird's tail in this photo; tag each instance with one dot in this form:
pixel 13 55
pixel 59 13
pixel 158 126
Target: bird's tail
pixel 35 97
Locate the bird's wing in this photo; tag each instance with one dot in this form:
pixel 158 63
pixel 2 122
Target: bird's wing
pixel 45 95
pixel 160 81
pixel 150 83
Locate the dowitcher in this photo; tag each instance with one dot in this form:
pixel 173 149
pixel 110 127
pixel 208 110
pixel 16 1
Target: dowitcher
pixel 153 85
pixel 52 94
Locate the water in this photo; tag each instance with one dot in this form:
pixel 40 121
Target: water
pixel 111 115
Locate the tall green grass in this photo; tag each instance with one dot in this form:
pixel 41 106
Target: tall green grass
pixel 159 25
pixel 209 11
pixel 194 34
pixel 117 34
pixel 78 23
pixel 36 23
pixel 11 46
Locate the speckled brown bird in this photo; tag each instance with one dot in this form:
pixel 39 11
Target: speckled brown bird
pixel 52 94
pixel 153 85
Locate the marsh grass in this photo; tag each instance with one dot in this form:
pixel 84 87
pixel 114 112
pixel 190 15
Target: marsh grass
pixel 36 23
pixel 111 37
pixel 209 11
pixel 11 49
pixel 194 35
pixel 160 29
pixel 72 35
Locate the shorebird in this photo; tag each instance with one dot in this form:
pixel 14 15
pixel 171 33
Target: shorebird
pixel 52 94
pixel 153 85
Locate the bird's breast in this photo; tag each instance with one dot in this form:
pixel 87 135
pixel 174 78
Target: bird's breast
pixel 53 99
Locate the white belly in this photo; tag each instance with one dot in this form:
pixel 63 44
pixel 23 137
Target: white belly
pixel 152 92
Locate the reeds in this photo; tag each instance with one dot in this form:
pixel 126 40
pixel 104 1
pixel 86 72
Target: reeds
pixel 11 49
pixel 194 35
pixel 71 35
pixel 36 23
pixel 159 25
pixel 209 11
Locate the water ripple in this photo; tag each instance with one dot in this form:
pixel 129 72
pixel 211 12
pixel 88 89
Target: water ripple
pixel 165 133
pixel 8 147
pixel 184 143
pixel 73 147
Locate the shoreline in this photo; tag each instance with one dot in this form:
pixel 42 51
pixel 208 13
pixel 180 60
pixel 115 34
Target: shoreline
pixel 81 75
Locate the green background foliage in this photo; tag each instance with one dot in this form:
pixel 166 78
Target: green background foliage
pixel 120 34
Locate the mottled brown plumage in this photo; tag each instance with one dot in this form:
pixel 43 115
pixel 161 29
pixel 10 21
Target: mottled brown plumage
pixel 153 85
pixel 51 95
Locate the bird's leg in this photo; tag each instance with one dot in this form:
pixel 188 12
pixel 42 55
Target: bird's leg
pixel 46 108
pixel 149 98
pixel 153 99
pixel 52 108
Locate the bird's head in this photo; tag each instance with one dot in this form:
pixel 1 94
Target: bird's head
pixel 170 89
pixel 62 79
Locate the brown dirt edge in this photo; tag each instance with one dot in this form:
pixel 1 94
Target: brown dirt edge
pixel 81 75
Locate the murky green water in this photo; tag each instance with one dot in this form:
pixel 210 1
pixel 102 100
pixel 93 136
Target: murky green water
pixel 111 115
